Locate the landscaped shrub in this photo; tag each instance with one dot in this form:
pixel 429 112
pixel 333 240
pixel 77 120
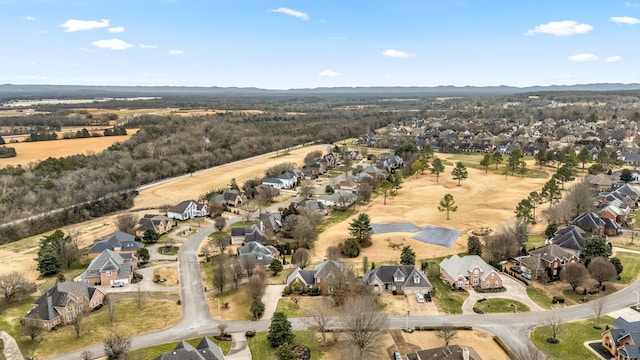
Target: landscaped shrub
pixel 250 334
pixel 314 291
pixel 394 292
pixel 286 291
pixel 557 300
pixel 296 288
pixel 593 292
pixel 350 248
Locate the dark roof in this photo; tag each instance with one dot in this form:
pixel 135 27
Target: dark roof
pixel 118 239
pixel 387 273
pixel 570 237
pixel 231 195
pixel 553 251
pixel 57 297
pixel 589 221
pixel 205 350
pixel 181 207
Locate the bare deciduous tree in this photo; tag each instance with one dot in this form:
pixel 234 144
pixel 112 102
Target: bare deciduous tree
pixel 320 318
pixel 529 352
pixel 222 327
pixel 598 305
pixel 116 347
pixel 554 327
pixel 342 284
pixel 220 222
pixel 111 310
pixel 86 355
pixel 220 274
pixel 249 265
pixel 364 323
pixel 333 253
pixel 446 332
pixel 77 324
pixel 503 245
pixel 222 241
pixel 31 329
pixel 306 189
pixel 574 274
pixel 249 209
pixel 140 297
pixel 301 257
pixel 256 286
pixel 238 272
pixel 126 223
pixel 14 284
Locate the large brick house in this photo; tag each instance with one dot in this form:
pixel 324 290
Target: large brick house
pixel 317 277
pixel 62 303
pixel 157 223
pixel 110 267
pixel 551 258
pixel 621 340
pixel 469 272
pixel 120 243
pixel 403 279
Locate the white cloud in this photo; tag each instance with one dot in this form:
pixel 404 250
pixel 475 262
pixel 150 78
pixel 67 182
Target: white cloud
pixel 630 4
pixel 148 46
pixel 561 28
pixel 625 20
pixel 294 13
pixel 612 59
pixel 72 25
pixel 396 53
pixel 112 44
pixel 175 52
pixel 29 18
pixel 583 57
pixel 328 73
pixel 116 29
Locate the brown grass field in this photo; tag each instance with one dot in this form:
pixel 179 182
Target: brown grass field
pixel 482 199
pixel 31 152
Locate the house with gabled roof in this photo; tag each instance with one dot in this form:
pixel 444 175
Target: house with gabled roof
pixel 233 198
pixel 186 210
pixel 593 223
pixel 551 258
pixel 110 267
pixel 469 272
pixel 205 350
pixel 402 279
pixel 451 352
pixel 160 224
pixel 339 198
pixel 254 232
pixel 119 242
pixel 62 303
pixel 259 253
pixel 289 180
pixel 622 339
pixel 318 277
pixel 273 182
pixel 569 237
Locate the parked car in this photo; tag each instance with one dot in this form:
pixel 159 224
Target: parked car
pixel 427 297
pixel 526 275
pixel 516 269
pixel 397 356
pixel 420 298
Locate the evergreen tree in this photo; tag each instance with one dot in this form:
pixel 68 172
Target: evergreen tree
pixel 280 331
pixel 474 246
pixel 459 172
pixel 360 229
pixel 437 167
pixel 275 266
pixel 448 204
pixel 408 256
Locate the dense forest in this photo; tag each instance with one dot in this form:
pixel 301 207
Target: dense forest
pixel 165 146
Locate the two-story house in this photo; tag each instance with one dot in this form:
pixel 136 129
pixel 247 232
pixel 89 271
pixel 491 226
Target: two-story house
pixel 401 279
pixel 469 272
pixel 186 210
pixel 109 268
pixel 319 277
pixel 551 258
pixel 622 339
pixel 119 242
pixel 157 223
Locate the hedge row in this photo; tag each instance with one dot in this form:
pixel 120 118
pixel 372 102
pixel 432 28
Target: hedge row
pixel 435 327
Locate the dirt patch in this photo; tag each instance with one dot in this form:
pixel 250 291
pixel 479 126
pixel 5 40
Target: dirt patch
pixel 484 200
pixel 31 152
pixel 481 341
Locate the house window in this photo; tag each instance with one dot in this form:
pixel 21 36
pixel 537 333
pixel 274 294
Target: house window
pixel 497 284
pixel 398 278
pixel 109 272
pixel 475 282
pixel 459 283
pixel 492 275
pixel 259 256
pixel 475 272
pixel 555 265
pixel 416 280
pixel 488 284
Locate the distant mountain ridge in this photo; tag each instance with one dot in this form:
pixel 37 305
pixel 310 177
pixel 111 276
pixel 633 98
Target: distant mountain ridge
pixel 33 91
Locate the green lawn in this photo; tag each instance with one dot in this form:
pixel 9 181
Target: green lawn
pixel 536 240
pixel 571 336
pixel 630 266
pixel 262 350
pixel 539 297
pixel 289 308
pixel 501 306
pixel 447 301
pixel 155 351
pixel 241 224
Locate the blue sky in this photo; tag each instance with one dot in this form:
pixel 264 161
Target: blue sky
pixel 321 43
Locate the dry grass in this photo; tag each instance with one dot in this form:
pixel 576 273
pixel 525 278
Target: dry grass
pixel 483 200
pixel 239 304
pixel 170 273
pixel 130 321
pixel 31 152
pixel 481 341
pixel 191 187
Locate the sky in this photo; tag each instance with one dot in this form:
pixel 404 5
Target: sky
pixel 319 43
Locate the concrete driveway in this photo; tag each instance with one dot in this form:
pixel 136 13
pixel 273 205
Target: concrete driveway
pixel 514 290
pixel 272 293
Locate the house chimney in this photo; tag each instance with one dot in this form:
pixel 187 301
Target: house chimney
pixel 465 354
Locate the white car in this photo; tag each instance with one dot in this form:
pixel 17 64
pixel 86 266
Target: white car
pixel 420 298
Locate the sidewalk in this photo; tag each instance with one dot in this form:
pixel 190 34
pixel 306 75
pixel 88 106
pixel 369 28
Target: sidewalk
pixel 239 348
pixel 272 293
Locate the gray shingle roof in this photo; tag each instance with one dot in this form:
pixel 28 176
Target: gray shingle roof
pixel 118 239
pixel 457 266
pixel 107 260
pixel 386 274
pixel 205 350
pixel 553 251
pixel 57 297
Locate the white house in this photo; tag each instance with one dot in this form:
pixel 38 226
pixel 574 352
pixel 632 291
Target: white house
pixel 288 179
pixel 273 182
pixel 186 210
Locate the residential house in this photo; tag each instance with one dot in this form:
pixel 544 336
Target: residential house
pixel 318 277
pixel 120 243
pixel 273 182
pixel 255 232
pixel 452 352
pixel 157 223
pixel 289 180
pixel 403 279
pixel 313 206
pixel 593 223
pixel 352 155
pixel 110 267
pixel 339 198
pixel 569 237
pixel 233 198
pixel 62 303
pixel 258 253
pixel 600 182
pixel 469 272
pixel 622 339
pixel 550 259
pixel 205 350
pixel 348 185
pixel 272 223
pixel 186 210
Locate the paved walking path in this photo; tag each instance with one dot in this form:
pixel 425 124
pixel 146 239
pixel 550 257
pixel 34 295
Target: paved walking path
pixel 272 293
pixel 239 348
pixel 514 290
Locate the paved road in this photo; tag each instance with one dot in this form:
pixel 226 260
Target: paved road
pixel 514 290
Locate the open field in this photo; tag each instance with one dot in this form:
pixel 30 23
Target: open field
pixel 30 152
pixel 484 200
pixel 191 187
